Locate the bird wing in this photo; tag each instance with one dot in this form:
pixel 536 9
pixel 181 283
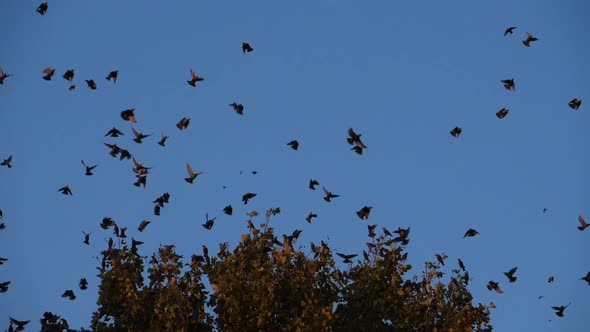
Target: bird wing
pixel 582 221
pixel 512 271
pixel 190 170
pixel 193 75
pixel 137 134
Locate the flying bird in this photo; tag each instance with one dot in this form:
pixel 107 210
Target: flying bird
pixel 164 199
pixel 20 324
pixel 114 132
pixel 371 230
pixel 6 162
pixel 551 279
pixel 69 75
pixel 2 260
pixel 586 278
pixel 42 8
pixel 364 212
pixel 456 132
pixel 91 84
pixel 162 141
pixel 247 196
pixel 113 75
pixel 575 103
pixel 208 222
pixel 65 190
pixel 502 113
pixel 441 258
pixel 294 144
pixel 3 76
pixel 470 233
pixel 329 195
pixel 347 258
pixel 4 286
pixel 239 108
pixel 143 225
pixel 194 79
pixel 494 286
pixel 228 210
pixel 128 115
pixel 72 87
pixel 157 210
pixel 355 138
pixel 183 123
pixel 89 169
pixel 191 174
pixel 510 274
pixel 559 310
pixel 583 223
pixel 107 222
pixel 246 48
pixel 461 264
pixel 86 238
pixel 139 169
pixel 402 237
pixel 69 294
pixel 510 30
pixel 312 184
pixel 48 73
pixel 509 84
pixel 310 216
pixel 138 135
pixel 529 39
pixel 83 284
pixel 141 181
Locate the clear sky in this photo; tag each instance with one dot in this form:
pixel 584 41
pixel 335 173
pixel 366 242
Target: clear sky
pixel 402 73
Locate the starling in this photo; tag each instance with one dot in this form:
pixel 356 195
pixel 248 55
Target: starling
pixel 138 136
pixel 583 223
pixel 246 48
pixel 310 216
pixel 494 286
pixel 502 113
pixel 559 310
pixel 91 84
pixel 128 115
pixel 194 79
pixel 509 84
pixel 3 76
pixel 162 141
pixel 183 123
pixel 294 144
pixel 143 225
pixel 89 169
pixel 6 162
pixel 228 210
pixel 575 103
pixel 456 132
pixel 239 108
pixel 510 274
pixel 69 75
pixel 470 233
pixel 312 184
pixel 83 284
pixel 191 174
pixel 42 8
pixel 65 190
pixel 510 30
pixel 113 75
pixel 364 212
pixel 114 132
pixel 329 195
pixel 48 73
pixel 247 196
pixel 69 294
pixel 529 39
pixel 347 258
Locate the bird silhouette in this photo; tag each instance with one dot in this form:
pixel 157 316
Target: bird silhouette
pixel 2 260
pixel 329 195
pixel 583 223
pixel 66 190
pixel 7 162
pixel 347 258
pixel 502 113
pixel 510 30
pixel 403 235
pixel 20 324
pixel 461 264
pixel 294 144
pixel 194 79
pixel 183 123
pixel 3 76
pixel 456 132
pixel 138 135
pixel 247 197
pixel 69 294
pixel 470 233
pixel 143 225
pixel 495 286
pixel 312 184
pixel 586 278
pixel 89 169
pixel 310 216
pixel 559 310
pixel 371 230
pixel 509 84
pixel 107 222
pixel 129 115
pixel 114 132
pixel 191 174
pixel 141 181
pixel 72 87
pixel 83 284
pixel 48 73
pixel 139 169
pixel 42 9
pixel 162 141
pixel 551 279
pixel 4 286
pixel 246 48
pixel 228 210
pixel 113 75
pixel 239 108
pixel 208 222
pixel 510 274
pixel 575 103
pixel 157 210
pixel 91 84
pixel 86 238
pixel 529 39
pixel 164 199
pixel 364 212
pixel 441 258
pixel 355 139
pixel 69 75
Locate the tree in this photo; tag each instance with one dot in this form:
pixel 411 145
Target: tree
pixel 269 285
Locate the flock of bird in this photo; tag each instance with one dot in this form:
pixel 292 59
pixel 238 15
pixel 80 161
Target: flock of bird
pixel 141 172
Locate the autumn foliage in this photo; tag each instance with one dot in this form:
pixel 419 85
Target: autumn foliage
pixel 271 284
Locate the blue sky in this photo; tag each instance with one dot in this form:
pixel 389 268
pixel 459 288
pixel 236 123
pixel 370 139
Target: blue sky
pixel 403 74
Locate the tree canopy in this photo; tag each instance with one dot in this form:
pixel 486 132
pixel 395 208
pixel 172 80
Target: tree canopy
pixel 271 284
